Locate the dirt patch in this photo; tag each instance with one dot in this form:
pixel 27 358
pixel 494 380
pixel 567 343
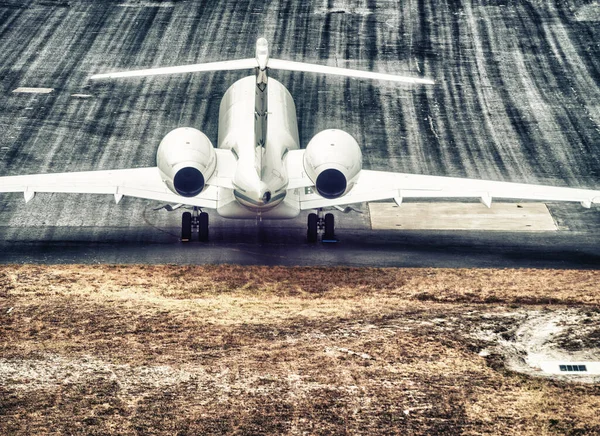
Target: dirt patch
pixel 526 339
pixel 195 350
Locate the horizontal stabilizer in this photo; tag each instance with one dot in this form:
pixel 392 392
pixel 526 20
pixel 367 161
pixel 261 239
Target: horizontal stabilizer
pixel 240 64
pixel 313 68
pixel 263 61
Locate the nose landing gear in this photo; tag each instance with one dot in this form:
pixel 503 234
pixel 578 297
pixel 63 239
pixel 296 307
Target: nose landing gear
pixel 326 224
pixel 194 221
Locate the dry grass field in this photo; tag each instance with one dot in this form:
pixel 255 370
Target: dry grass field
pixel 255 350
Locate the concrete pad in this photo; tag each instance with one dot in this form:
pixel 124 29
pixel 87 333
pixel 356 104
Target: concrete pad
pixel 513 217
pixel 589 12
pixel 25 90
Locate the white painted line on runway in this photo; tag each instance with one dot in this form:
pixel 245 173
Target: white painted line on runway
pixel 513 217
pixel 81 95
pixel 146 5
pixel 25 90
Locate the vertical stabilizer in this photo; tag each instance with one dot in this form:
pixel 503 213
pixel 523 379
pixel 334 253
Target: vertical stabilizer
pixel 261 103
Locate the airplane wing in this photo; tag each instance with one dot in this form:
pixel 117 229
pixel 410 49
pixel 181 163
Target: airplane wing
pixel 136 182
pixel 380 185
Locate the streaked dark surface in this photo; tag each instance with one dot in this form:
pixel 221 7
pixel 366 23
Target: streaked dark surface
pixel 517 99
pixel 287 247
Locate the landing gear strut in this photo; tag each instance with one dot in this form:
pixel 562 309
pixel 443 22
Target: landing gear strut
pixel 194 221
pixel 316 223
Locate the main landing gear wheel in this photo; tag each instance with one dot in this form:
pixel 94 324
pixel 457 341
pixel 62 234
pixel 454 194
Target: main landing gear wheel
pixel 186 227
pixel 329 234
pixel 317 223
pixel 194 221
pixel 203 227
pixel 313 229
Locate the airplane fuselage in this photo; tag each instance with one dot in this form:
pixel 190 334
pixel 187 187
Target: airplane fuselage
pixel 261 180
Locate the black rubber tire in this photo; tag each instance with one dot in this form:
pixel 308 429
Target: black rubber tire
pixel 329 226
pixel 203 227
pixel 312 232
pixel 186 227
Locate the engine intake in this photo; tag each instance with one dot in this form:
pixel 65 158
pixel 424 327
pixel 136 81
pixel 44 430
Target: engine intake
pixel 333 162
pixel 188 182
pixel 186 159
pixel 331 183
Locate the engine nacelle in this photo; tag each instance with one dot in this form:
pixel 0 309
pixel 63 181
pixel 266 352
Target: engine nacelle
pixel 186 160
pixel 333 161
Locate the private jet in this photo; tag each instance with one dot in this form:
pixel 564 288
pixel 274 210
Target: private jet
pixel 258 169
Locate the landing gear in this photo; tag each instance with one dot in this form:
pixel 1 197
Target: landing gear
pixel 329 227
pixel 316 222
pixel 186 227
pixel 313 229
pixel 194 221
pixel 203 227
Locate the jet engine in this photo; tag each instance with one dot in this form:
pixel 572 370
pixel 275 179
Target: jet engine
pixel 186 159
pixel 333 161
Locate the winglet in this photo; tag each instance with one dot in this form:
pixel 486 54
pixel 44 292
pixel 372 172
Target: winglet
pixel 487 200
pixel 28 195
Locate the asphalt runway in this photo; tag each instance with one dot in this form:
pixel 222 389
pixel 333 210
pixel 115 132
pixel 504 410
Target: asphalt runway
pixel 517 99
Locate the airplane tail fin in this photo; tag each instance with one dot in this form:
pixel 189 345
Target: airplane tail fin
pixel 261 63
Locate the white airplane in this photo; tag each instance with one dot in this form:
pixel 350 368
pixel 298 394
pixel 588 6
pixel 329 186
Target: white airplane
pixel 258 169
